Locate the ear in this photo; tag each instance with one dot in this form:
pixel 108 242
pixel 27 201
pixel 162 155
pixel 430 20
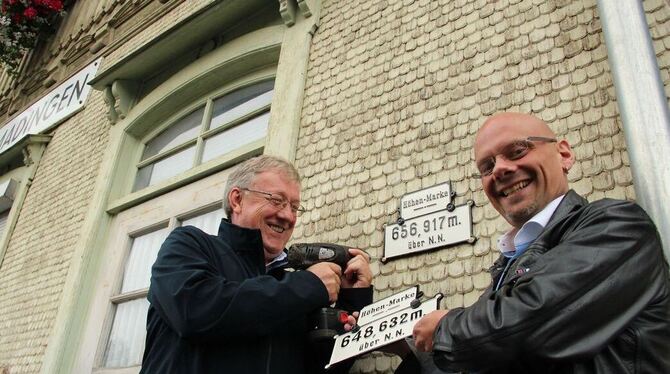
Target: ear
pixel 235 200
pixel 566 154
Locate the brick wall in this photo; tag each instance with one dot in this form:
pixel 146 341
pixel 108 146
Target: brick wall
pixel 38 256
pixel 396 90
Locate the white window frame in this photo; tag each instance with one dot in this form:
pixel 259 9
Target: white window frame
pixel 167 210
pixel 204 132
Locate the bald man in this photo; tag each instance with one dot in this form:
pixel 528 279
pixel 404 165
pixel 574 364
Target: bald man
pixel 579 287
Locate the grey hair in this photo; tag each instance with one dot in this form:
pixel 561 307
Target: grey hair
pixel 244 174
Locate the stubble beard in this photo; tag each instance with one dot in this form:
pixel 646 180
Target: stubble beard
pixel 523 215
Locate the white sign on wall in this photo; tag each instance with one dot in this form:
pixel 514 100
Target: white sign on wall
pixel 386 328
pixel 52 109
pixel 425 201
pixel 387 305
pixel 428 220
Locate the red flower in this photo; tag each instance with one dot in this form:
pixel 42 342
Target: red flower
pixel 56 5
pixel 30 13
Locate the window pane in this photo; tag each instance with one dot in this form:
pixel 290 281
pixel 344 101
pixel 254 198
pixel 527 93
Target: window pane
pixel 164 169
pixel 236 137
pixel 236 104
pixel 208 222
pixel 143 254
pixel 3 221
pixel 181 131
pixel 126 342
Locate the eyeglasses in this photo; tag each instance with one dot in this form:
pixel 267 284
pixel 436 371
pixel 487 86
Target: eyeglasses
pixel 278 201
pixel 513 151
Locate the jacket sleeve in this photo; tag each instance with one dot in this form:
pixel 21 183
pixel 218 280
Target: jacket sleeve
pixel 199 302
pixel 354 299
pixel 601 270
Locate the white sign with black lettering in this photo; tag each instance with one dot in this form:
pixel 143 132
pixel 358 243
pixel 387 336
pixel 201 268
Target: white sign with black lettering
pixel 52 109
pixel 425 201
pixel 387 305
pixel 381 332
pixel 429 231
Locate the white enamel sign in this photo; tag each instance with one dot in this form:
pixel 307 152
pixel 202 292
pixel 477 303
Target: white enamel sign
pixel 425 201
pixel 387 305
pixel 59 104
pixel 385 330
pixel 429 231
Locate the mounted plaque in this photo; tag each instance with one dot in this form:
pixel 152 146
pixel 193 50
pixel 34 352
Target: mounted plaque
pixel 428 220
pixel 425 201
pixel 384 322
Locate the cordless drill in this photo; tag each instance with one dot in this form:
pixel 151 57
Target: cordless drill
pixel 326 322
pixel 303 255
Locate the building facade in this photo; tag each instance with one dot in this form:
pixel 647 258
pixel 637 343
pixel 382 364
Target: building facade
pixel 372 100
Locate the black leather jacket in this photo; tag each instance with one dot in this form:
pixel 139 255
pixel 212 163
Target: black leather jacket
pixel 590 295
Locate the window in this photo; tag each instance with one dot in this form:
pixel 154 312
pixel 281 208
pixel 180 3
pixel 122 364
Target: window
pixel 218 127
pixel 3 221
pixel 7 193
pixel 15 179
pixel 180 170
pixel 126 337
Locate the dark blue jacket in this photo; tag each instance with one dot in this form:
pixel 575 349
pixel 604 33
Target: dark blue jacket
pixel 215 310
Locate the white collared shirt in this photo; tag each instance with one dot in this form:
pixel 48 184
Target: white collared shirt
pixel 513 239
pixel 279 258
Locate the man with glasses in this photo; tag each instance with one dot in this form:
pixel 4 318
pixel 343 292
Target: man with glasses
pixel 580 287
pixel 225 304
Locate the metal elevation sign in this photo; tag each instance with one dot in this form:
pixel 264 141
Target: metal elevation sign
pixel 384 322
pixel 428 220
pixel 52 109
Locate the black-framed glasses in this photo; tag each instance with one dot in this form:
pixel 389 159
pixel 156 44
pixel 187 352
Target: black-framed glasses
pixel 513 151
pixel 278 201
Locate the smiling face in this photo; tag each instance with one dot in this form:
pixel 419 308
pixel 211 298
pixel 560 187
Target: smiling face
pixel 521 188
pixel 252 210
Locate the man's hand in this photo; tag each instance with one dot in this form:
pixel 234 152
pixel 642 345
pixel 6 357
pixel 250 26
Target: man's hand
pixel 425 328
pixel 351 321
pixel 330 275
pixel 358 273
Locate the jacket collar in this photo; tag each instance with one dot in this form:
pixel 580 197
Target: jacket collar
pixel 570 202
pixel 241 239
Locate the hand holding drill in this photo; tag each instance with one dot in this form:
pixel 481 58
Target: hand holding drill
pixel 354 262
pixel 326 261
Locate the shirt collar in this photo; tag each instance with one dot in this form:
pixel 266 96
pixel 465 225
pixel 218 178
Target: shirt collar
pixel 277 262
pixel 514 242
